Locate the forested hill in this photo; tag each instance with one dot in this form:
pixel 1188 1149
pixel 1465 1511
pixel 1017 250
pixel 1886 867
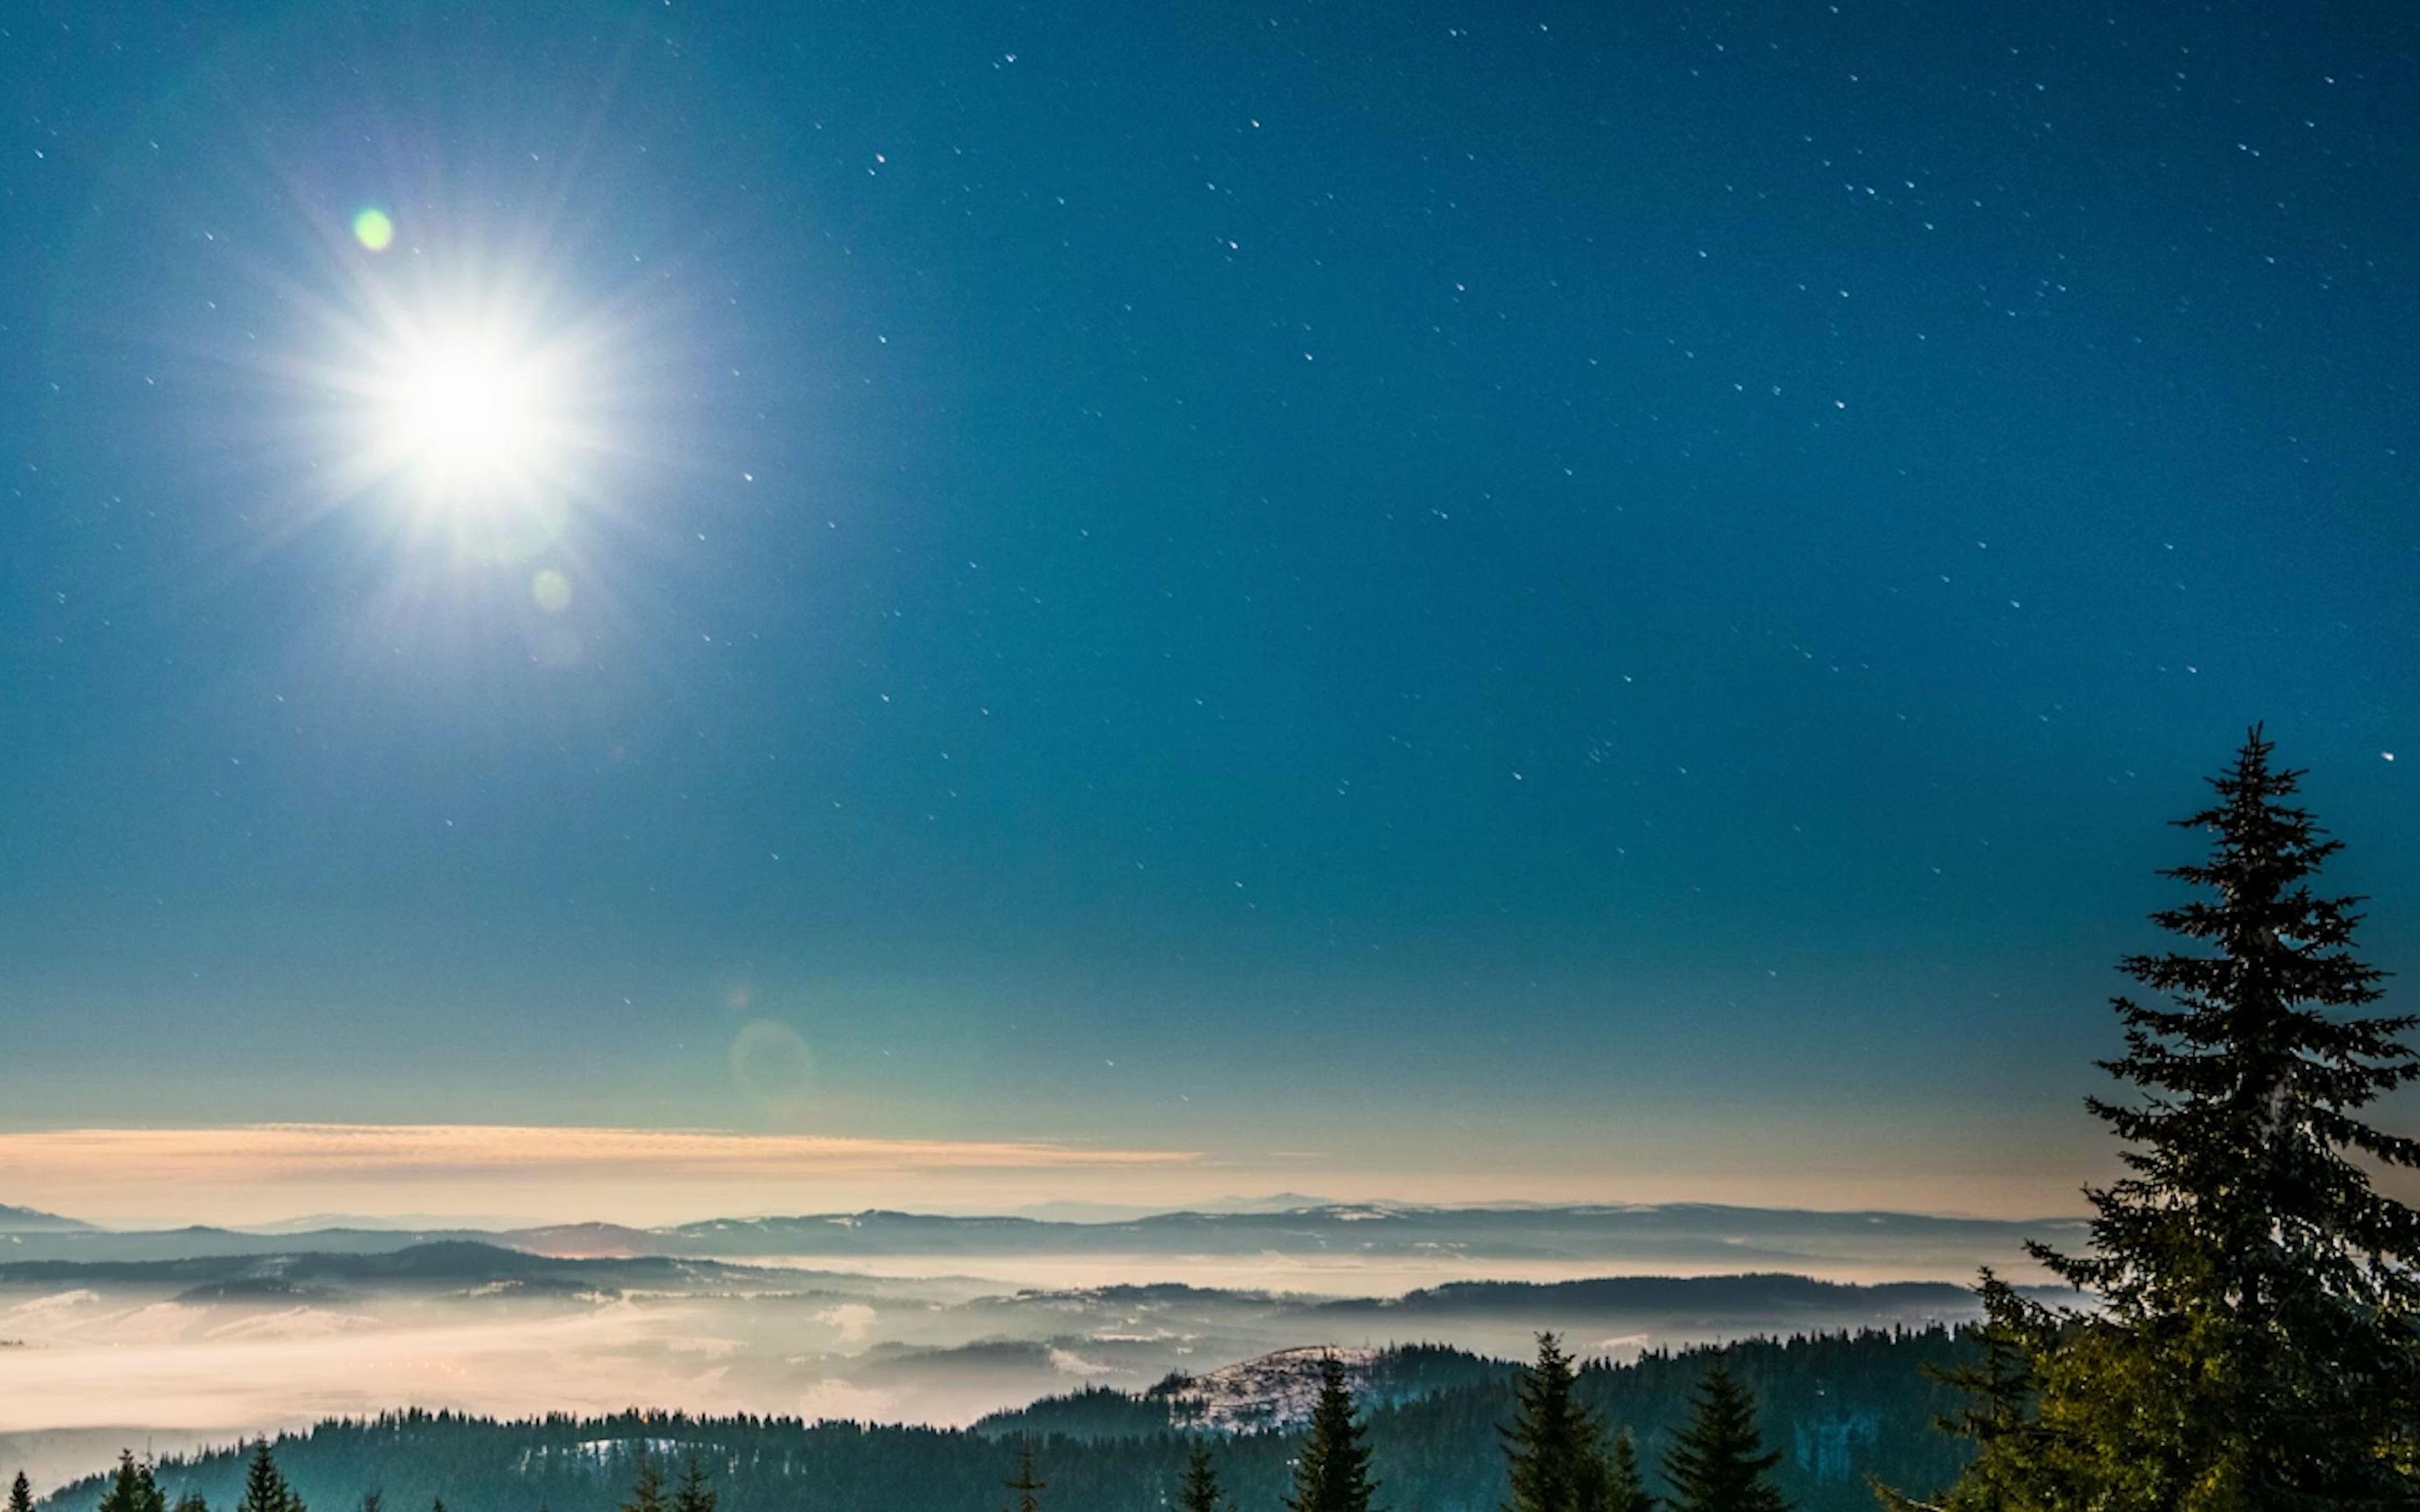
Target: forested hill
pixel 1837 1407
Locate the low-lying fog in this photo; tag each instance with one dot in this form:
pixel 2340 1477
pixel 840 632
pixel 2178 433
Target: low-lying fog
pixel 165 1341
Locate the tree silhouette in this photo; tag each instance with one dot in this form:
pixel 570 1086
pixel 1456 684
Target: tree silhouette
pixel 132 1488
pixel 1332 1474
pixel 695 1493
pixel 1625 1490
pixel 264 1489
pixel 2255 1345
pixel 1200 1491
pixel 1718 1463
pixel 1554 1450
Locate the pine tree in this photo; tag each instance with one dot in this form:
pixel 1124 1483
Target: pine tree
pixel 1029 1491
pixel 192 1501
pixel 132 1488
pixel 1555 1449
pixel 264 1489
pixel 1200 1491
pixel 695 1493
pixel 1625 1490
pixel 2256 1347
pixel 125 1492
pixel 646 1487
pixel 21 1494
pixel 373 1501
pixel 1718 1463
pixel 1333 1473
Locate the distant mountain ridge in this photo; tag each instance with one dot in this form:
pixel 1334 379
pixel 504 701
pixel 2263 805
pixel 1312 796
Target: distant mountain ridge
pixel 1672 1233
pixel 442 1264
pixel 1657 1293
pixel 35 1221
pixel 1663 1238
pixel 473 1263
pixel 1675 1233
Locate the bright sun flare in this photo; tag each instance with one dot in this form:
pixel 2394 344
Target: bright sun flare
pixel 470 419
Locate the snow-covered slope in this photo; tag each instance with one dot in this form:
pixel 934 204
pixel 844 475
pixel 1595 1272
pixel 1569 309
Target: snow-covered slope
pixel 1273 1391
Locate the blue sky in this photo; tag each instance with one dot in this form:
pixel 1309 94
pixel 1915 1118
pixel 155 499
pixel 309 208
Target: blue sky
pixel 1566 600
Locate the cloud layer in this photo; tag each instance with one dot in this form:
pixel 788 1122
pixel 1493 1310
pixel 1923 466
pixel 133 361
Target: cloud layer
pixel 244 1171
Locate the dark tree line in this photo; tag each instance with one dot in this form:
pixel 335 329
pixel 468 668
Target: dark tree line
pixel 1832 1405
pixel 695 1493
pixel 135 1488
pixel 1560 1458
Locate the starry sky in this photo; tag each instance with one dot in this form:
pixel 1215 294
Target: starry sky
pixel 1438 600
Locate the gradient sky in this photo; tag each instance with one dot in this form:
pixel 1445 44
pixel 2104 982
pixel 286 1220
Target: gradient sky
pixel 1551 600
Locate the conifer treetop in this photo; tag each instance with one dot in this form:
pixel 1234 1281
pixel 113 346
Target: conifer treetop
pixel 1554 1448
pixel 1200 1491
pixel 1625 1489
pixel 1718 1463
pixel 2258 1339
pixel 264 1488
pixel 1332 1472
pixel 2244 1144
pixel 695 1493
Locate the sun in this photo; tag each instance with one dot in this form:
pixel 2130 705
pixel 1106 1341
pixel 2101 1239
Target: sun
pixel 467 411
pixel 471 419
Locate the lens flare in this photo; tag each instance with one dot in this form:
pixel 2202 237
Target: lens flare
pixel 550 590
pixel 373 229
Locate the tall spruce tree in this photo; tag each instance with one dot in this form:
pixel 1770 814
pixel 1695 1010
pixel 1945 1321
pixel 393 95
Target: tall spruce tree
pixel 1332 1474
pixel 1554 1450
pixel 1200 1491
pixel 1718 1463
pixel 2255 1347
pixel 21 1494
pixel 1029 1488
pixel 192 1500
pixel 264 1489
pixel 695 1493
